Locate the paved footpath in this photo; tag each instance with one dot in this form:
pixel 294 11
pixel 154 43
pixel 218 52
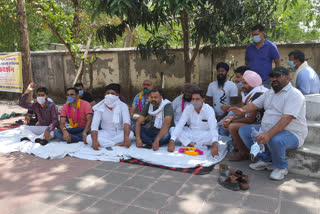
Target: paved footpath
pixel 29 184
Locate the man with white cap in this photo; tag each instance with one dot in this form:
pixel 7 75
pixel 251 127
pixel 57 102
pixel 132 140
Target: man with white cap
pixel 252 88
pixel 115 121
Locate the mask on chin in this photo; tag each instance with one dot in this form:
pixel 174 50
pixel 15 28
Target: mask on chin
pixel 111 100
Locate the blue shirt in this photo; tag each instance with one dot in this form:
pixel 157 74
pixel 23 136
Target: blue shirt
pixel 144 101
pixel 260 60
pixel 308 81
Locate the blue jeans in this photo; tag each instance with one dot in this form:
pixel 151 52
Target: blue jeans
pixel 277 145
pixel 75 134
pixel 148 135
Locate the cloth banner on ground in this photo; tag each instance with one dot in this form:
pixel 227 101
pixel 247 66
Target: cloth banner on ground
pixel 10 142
pixel 11 73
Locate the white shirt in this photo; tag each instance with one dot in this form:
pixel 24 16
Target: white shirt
pixel 204 121
pixel 177 108
pixel 221 96
pixel 106 118
pixel 289 101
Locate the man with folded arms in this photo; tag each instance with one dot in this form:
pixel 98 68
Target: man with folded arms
pixel 202 130
pixel 79 114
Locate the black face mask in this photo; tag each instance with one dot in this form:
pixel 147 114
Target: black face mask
pixel 188 99
pixel 221 80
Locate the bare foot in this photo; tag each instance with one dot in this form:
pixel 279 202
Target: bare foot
pixel 171 146
pixel 214 149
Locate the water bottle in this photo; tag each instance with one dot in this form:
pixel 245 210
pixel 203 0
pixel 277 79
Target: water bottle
pixel 256 148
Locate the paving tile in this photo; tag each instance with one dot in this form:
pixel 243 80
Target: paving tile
pixel 260 203
pixel 98 189
pixel 108 165
pixel 153 172
pixel 123 194
pixel 115 178
pixel 195 192
pixel 93 174
pixel 166 187
pixel 178 205
pixel 137 210
pixel 225 196
pixel 175 176
pixel 208 180
pixel 54 197
pixel 299 195
pixel 151 200
pixel 56 210
pixel 139 182
pixel 32 207
pixel 104 207
pixel 261 187
pixel 129 168
pixel 246 211
pixel 77 203
pixel 288 207
pixel 75 185
pixel 209 208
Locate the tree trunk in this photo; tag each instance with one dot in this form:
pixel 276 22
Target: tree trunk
pixel 76 19
pixel 185 32
pixel 24 44
pixel 129 37
pixel 91 76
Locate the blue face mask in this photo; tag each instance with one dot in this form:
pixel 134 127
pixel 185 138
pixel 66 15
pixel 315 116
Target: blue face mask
pixel 81 93
pixel 256 38
pixel 239 84
pixel 71 99
pixel 291 64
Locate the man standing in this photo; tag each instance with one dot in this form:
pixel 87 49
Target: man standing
pixel 158 118
pixel 283 125
pixel 115 121
pixel 79 114
pixel 202 129
pixel 47 114
pixel 252 88
pixel 222 91
pixel 305 78
pixel 84 95
pixel 182 101
pixel 142 98
pixel 261 53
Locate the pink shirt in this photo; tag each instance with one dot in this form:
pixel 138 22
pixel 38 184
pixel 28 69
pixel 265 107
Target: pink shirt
pixel 85 108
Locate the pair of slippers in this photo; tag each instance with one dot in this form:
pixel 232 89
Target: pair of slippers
pixel 233 179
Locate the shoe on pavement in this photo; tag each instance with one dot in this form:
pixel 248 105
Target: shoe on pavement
pixel 278 174
pixel 260 165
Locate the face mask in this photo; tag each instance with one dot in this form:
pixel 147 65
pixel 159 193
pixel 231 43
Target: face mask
pixel 110 100
pixel 81 93
pixel 41 100
pixel 239 84
pixel 196 105
pixel 256 39
pixel 146 91
pixel 291 64
pixel 71 99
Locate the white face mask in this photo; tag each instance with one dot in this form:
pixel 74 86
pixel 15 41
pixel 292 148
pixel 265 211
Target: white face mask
pixel 110 100
pixel 41 100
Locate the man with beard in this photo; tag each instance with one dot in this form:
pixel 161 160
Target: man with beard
pixel 181 102
pixel 115 121
pixel 283 125
pixel 202 129
pixel 222 91
pixel 252 88
pixel 142 98
pixel 157 117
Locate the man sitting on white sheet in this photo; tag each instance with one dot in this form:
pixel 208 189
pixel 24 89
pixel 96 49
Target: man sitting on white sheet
pixel 115 121
pixel 202 130
pixel 181 102
pixel 47 114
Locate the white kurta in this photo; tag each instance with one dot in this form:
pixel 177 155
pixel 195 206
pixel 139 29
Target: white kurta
pixel 110 133
pixel 177 108
pixel 34 132
pixel 202 128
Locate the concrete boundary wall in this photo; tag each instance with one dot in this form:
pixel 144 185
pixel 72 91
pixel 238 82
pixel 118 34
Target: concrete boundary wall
pixel 53 69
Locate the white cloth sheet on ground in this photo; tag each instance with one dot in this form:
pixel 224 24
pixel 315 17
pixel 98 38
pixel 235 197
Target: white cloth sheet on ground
pixel 10 142
pixel 34 132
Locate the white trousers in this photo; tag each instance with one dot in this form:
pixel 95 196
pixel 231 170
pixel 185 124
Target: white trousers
pixel 34 132
pixel 200 137
pixel 107 138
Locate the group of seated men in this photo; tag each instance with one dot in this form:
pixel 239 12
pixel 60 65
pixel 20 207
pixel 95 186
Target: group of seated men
pixel 192 119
